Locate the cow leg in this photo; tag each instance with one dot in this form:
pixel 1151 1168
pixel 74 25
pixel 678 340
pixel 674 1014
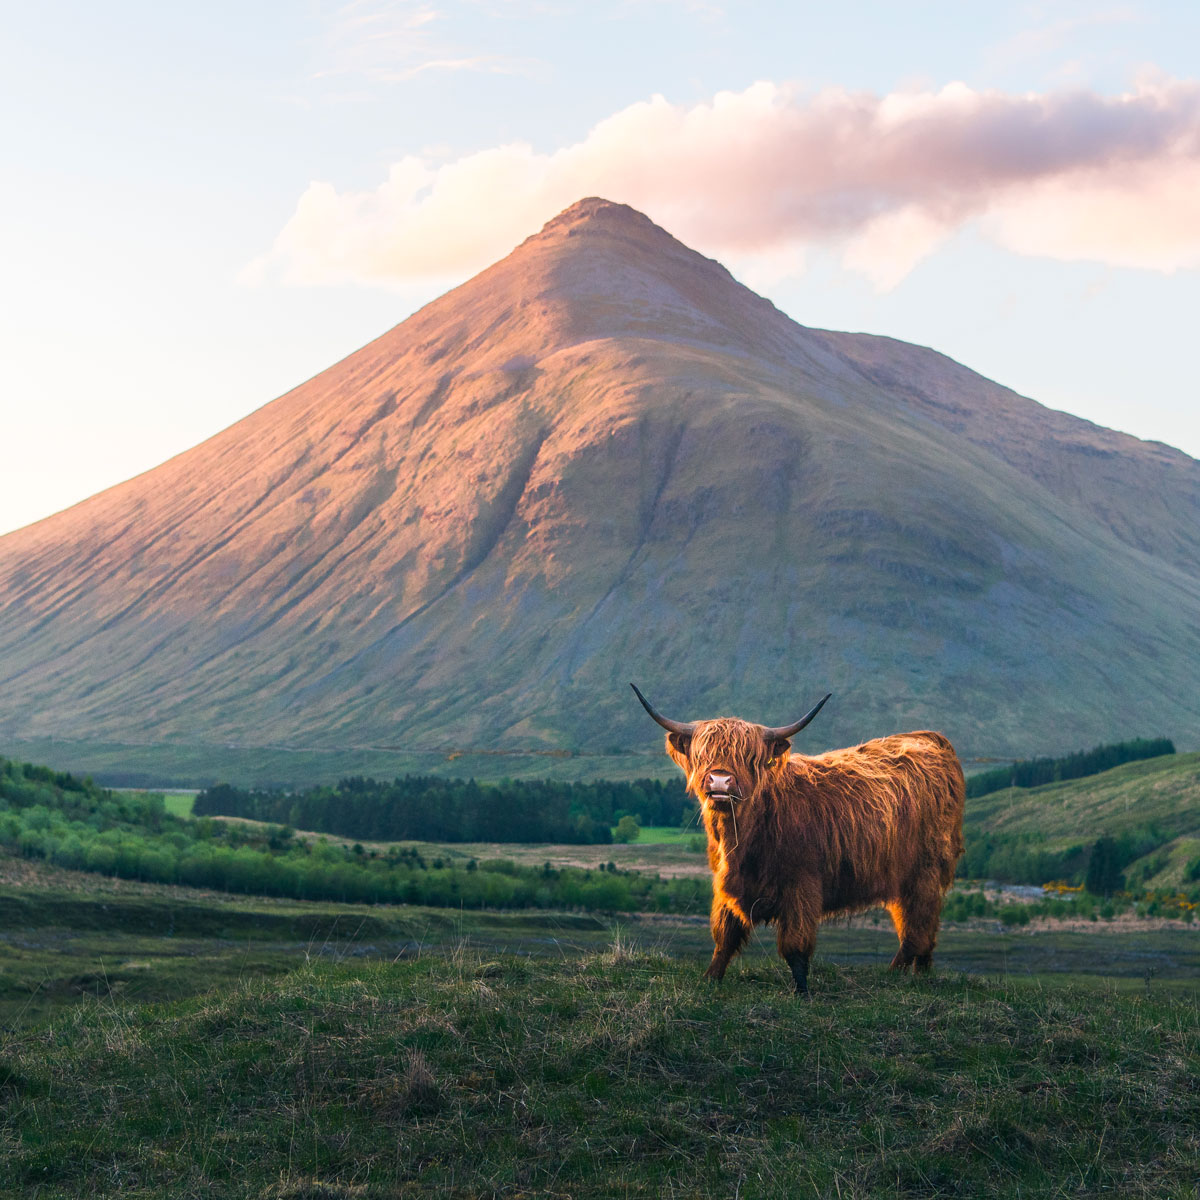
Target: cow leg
pixel 797 939
pixel 797 960
pixel 729 931
pixel 903 958
pixel 916 915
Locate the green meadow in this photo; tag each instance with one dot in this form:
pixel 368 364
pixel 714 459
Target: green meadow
pixel 163 1040
pixel 1152 806
pixel 179 804
pixel 601 1069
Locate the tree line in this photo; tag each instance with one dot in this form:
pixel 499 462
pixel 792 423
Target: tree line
pixel 429 808
pixel 1033 772
pixel 56 818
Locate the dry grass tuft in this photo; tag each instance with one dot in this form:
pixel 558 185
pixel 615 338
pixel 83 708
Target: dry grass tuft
pixel 621 952
pixel 313 1189
pixel 420 1094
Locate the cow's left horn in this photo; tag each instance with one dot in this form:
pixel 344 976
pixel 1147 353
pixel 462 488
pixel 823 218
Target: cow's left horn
pixel 783 732
pixel 683 728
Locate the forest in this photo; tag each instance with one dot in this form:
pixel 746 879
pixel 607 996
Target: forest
pixel 432 809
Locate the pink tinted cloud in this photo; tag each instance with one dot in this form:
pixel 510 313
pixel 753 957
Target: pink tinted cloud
pixel 768 172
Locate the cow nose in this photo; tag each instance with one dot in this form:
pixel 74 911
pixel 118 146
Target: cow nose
pixel 717 782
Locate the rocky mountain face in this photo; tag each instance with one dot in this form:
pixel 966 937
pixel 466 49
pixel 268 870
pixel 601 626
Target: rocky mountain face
pixel 604 460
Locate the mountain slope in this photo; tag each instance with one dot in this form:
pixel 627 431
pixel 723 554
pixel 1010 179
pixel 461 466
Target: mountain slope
pixel 604 459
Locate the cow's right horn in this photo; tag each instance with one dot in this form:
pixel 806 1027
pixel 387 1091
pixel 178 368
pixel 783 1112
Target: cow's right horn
pixel 683 728
pixel 782 732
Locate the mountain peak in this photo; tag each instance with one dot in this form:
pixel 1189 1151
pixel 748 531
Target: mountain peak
pixel 607 270
pixel 605 225
pixel 595 210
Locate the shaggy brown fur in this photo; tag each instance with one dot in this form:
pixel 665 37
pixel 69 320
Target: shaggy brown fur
pixel 811 838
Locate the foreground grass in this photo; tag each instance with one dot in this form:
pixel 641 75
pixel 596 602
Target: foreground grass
pixel 610 1074
pixel 61 945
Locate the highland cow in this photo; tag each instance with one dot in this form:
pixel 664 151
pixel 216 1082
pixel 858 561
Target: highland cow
pixel 793 840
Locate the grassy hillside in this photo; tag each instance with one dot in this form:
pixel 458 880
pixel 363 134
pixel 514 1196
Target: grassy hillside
pixel 610 1074
pixel 1155 804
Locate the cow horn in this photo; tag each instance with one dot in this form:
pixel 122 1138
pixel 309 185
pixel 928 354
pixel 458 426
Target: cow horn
pixel 783 732
pixel 683 728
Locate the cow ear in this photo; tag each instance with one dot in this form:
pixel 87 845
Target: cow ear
pixel 778 749
pixel 682 744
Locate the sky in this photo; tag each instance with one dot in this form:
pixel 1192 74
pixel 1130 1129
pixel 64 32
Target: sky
pixel 203 206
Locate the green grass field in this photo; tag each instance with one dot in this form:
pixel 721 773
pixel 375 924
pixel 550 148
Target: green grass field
pixel 609 1073
pixel 1163 791
pixel 668 835
pixel 67 935
pixel 179 804
pixel 160 1041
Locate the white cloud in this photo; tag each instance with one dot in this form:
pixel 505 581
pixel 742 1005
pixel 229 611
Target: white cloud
pixel 890 245
pixel 1146 215
pixel 770 171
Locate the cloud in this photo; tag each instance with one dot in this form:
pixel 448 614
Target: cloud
pixel 1144 217
pixel 768 173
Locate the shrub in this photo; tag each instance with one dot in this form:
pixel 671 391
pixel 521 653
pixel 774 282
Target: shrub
pixel 627 830
pixel 1014 914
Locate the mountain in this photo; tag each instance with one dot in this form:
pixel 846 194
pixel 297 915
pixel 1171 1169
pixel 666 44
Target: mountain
pixel 602 460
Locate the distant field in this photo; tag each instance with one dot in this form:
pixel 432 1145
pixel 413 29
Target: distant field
pixel 1163 793
pixel 165 766
pixel 659 848
pixel 667 835
pixel 179 804
pixel 670 856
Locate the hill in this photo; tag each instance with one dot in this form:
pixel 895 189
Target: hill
pixel 1153 806
pixel 608 1075
pixel 604 459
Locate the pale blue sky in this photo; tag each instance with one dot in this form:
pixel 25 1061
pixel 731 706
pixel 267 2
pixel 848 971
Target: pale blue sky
pixel 154 156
